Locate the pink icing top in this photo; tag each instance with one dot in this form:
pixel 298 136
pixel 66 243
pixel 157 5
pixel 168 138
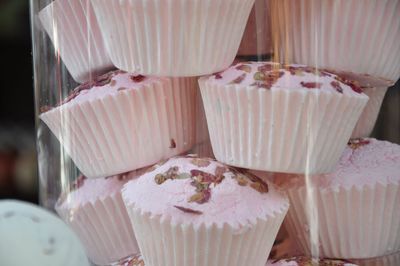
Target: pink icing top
pixel 364 162
pixel 203 191
pixel 269 75
pixel 110 83
pixel 89 190
pixel 301 261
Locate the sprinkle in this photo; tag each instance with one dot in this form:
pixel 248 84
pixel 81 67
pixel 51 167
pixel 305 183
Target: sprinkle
pixel 357 143
pixel 239 79
pixel 336 86
pixel 199 162
pixel 188 210
pixel 172 144
pixel 245 68
pixel 138 78
pixel 311 85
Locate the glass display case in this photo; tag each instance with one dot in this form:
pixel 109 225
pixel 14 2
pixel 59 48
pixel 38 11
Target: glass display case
pixel 221 132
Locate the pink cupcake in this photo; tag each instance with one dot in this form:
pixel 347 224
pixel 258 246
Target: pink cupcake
pixel 270 117
pixel 95 211
pixel 197 211
pixel 122 121
pixel 355 208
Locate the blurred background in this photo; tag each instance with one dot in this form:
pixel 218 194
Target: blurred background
pixel 18 168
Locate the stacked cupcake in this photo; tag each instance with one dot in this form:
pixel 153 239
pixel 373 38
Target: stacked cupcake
pixel 119 122
pixel 130 131
pixel 350 210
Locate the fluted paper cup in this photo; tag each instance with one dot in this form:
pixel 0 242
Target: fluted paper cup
pixel 203 146
pixel 355 222
pixel 282 130
pixel 165 243
pixel 73 29
pixel 127 130
pixel 376 89
pixel 172 38
pixel 367 120
pixel 349 35
pixel 103 226
pixel 388 260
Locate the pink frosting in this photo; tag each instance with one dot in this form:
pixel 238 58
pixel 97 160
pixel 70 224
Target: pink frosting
pixel 111 83
pixel 229 202
pixel 90 190
pixel 366 162
pixel 291 77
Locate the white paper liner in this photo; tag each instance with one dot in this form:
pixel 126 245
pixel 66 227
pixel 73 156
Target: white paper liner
pixel 203 143
pixel 367 120
pixel 352 223
pixel 164 243
pixel 75 34
pixel 173 38
pixel 279 130
pixel 127 130
pixel 359 36
pixel 103 227
pixel 388 260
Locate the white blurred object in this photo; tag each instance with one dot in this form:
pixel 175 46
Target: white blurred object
pixel 32 236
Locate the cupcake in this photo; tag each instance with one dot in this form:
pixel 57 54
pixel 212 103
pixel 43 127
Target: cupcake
pixel 33 236
pixel 348 35
pixel 376 89
pixel 121 122
pixel 197 211
pixel 355 208
pixel 75 33
pixel 172 38
pixel 305 261
pixel 95 211
pixel 280 118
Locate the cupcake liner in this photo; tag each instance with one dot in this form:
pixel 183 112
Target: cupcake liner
pixel 173 38
pixel 350 35
pixel 129 129
pixel 75 33
pixel 203 144
pixel 368 118
pixel 164 243
pixel 292 131
pixel 103 227
pixel 352 223
pixel 388 260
